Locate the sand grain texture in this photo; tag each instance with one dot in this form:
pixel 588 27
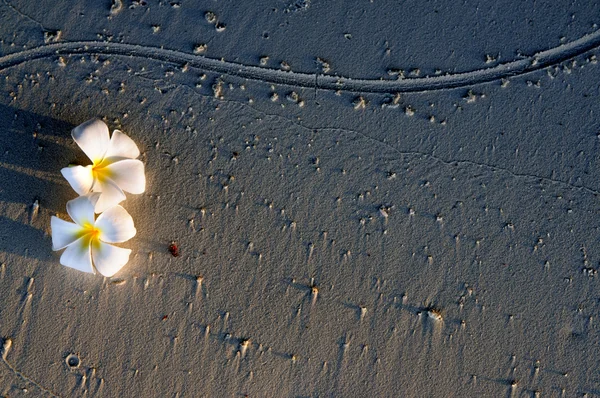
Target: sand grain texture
pixel 369 199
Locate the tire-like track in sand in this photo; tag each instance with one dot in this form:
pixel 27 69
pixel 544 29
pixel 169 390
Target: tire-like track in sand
pixel 517 67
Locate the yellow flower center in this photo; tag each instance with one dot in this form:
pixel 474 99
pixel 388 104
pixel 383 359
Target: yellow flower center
pixel 91 233
pixel 100 172
pixel 94 233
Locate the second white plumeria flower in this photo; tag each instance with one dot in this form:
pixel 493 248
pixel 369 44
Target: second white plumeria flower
pixel 114 167
pixel 87 240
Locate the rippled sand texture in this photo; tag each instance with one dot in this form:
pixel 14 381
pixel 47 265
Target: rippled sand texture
pixel 368 200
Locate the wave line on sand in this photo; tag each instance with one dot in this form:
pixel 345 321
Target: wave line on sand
pixel 516 67
pixel 6 345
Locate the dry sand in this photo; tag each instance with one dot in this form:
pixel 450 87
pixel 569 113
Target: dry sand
pixel 429 230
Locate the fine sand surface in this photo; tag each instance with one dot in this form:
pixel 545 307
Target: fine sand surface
pixel 370 198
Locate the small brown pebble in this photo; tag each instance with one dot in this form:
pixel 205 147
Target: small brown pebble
pixel 174 249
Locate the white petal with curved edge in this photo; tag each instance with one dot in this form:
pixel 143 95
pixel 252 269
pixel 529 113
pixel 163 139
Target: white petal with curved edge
pixel 80 178
pixel 81 209
pixel 78 255
pixel 63 233
pixel 93 138
pixel 121 146
pixel 109 259
pixel 115 225
pixel 111 194
pixel 128 174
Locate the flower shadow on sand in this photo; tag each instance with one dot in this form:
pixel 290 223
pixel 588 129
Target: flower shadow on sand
pixel 33 149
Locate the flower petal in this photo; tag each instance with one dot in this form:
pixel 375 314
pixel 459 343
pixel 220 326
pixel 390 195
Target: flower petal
pixel 111 194
pixel 81 209
pixel 80 178
pixel 128 174
pixel 78 256
pixel 115 225
pixel 63 233
pixel 93 138
pixel 121 146
pixel 109 259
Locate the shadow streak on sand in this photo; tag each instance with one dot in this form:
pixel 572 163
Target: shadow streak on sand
pixel 16 237
pixel 32 151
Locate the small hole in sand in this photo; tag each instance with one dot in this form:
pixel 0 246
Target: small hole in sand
pixel 72 360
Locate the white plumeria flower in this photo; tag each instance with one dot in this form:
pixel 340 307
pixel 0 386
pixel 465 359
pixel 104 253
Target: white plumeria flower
pixel 114 167
pixel 87 240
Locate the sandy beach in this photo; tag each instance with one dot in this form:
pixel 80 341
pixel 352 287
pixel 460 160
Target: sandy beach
pixel 369 199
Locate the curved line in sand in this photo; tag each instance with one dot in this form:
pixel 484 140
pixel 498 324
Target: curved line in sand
pixel 532 63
